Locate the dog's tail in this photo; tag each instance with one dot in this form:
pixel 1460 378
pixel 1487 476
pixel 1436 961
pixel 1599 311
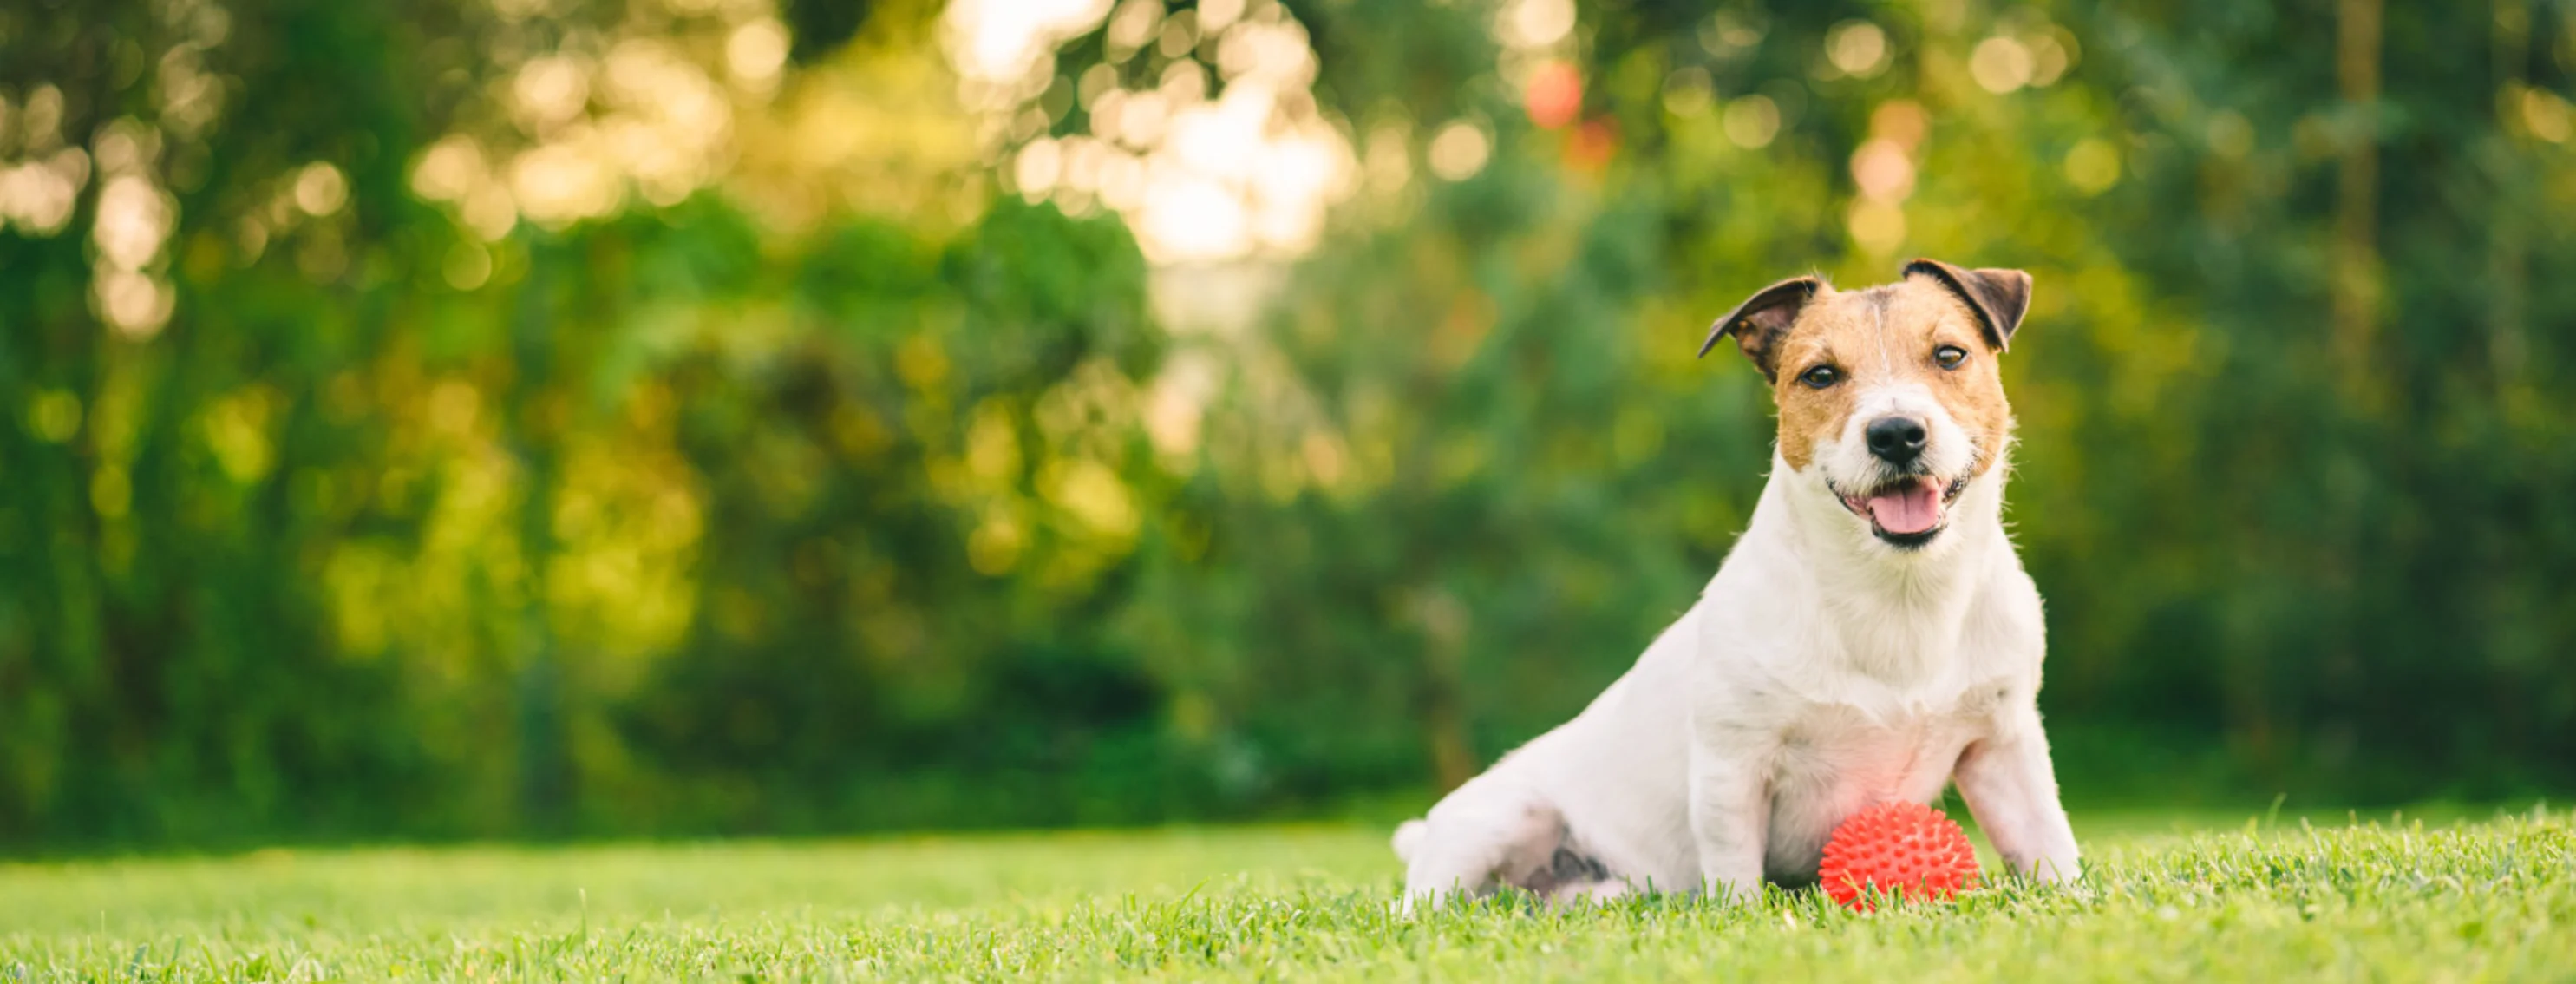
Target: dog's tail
pixel 1408 839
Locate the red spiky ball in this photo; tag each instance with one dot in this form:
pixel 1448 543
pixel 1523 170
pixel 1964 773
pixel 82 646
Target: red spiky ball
pixel 1905 850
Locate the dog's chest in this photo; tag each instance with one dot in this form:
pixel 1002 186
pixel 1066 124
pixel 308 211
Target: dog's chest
pixel 1833 760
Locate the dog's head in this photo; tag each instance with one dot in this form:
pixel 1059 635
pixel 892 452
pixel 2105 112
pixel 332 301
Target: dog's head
pixel 1889 397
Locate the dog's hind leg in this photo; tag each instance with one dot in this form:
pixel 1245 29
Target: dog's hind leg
pixel 1479 840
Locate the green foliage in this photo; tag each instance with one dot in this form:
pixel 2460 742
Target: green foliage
pixel 2402 900
pixel 877 495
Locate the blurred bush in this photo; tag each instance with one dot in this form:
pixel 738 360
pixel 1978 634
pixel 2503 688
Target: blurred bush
pixel 524 418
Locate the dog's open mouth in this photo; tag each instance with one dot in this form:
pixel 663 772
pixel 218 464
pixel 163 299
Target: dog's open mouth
pixel 1906 512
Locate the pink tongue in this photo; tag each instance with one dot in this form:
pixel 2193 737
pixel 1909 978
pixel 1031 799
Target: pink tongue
pixel 1907 509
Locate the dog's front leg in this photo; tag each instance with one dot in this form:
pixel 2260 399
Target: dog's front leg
pixel 1730 814
pixel 2012 789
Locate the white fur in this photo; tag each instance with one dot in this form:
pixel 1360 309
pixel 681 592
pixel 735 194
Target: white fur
pixel 1821 671
pixel 1846 461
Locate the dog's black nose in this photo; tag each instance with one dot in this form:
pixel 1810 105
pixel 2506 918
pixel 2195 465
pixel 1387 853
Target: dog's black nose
pixel 1896 440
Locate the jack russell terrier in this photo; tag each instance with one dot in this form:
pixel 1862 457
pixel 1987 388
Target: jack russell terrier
pixel 1871 637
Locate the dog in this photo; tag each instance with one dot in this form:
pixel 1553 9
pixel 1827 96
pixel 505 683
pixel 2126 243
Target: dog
pixel 1871 637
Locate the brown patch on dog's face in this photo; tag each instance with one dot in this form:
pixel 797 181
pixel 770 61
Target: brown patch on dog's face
pixel 1889 397
pixel 1857 342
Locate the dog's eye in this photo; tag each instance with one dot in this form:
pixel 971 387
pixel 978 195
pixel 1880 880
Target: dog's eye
pixel 1949 356
pixel 1821 377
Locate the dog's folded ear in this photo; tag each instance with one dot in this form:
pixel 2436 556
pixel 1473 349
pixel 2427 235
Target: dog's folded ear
pixel 1998 297
pixel 1758 323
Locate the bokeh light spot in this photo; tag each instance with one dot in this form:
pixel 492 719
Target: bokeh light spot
pixel 467 266
pixel 1534 23
pixel 1554 94
pixel 1858 48
pixel 2000 65
pixel 2093 166
pixel 1877 227
pixel 1459 151
pixel 1688 92
pixel 1752 121
pixel 320 189
pixel 756 52
pixel 1881 171
pixel 2545 115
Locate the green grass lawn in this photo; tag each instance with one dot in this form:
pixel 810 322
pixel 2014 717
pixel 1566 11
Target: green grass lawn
pixel 2168 897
